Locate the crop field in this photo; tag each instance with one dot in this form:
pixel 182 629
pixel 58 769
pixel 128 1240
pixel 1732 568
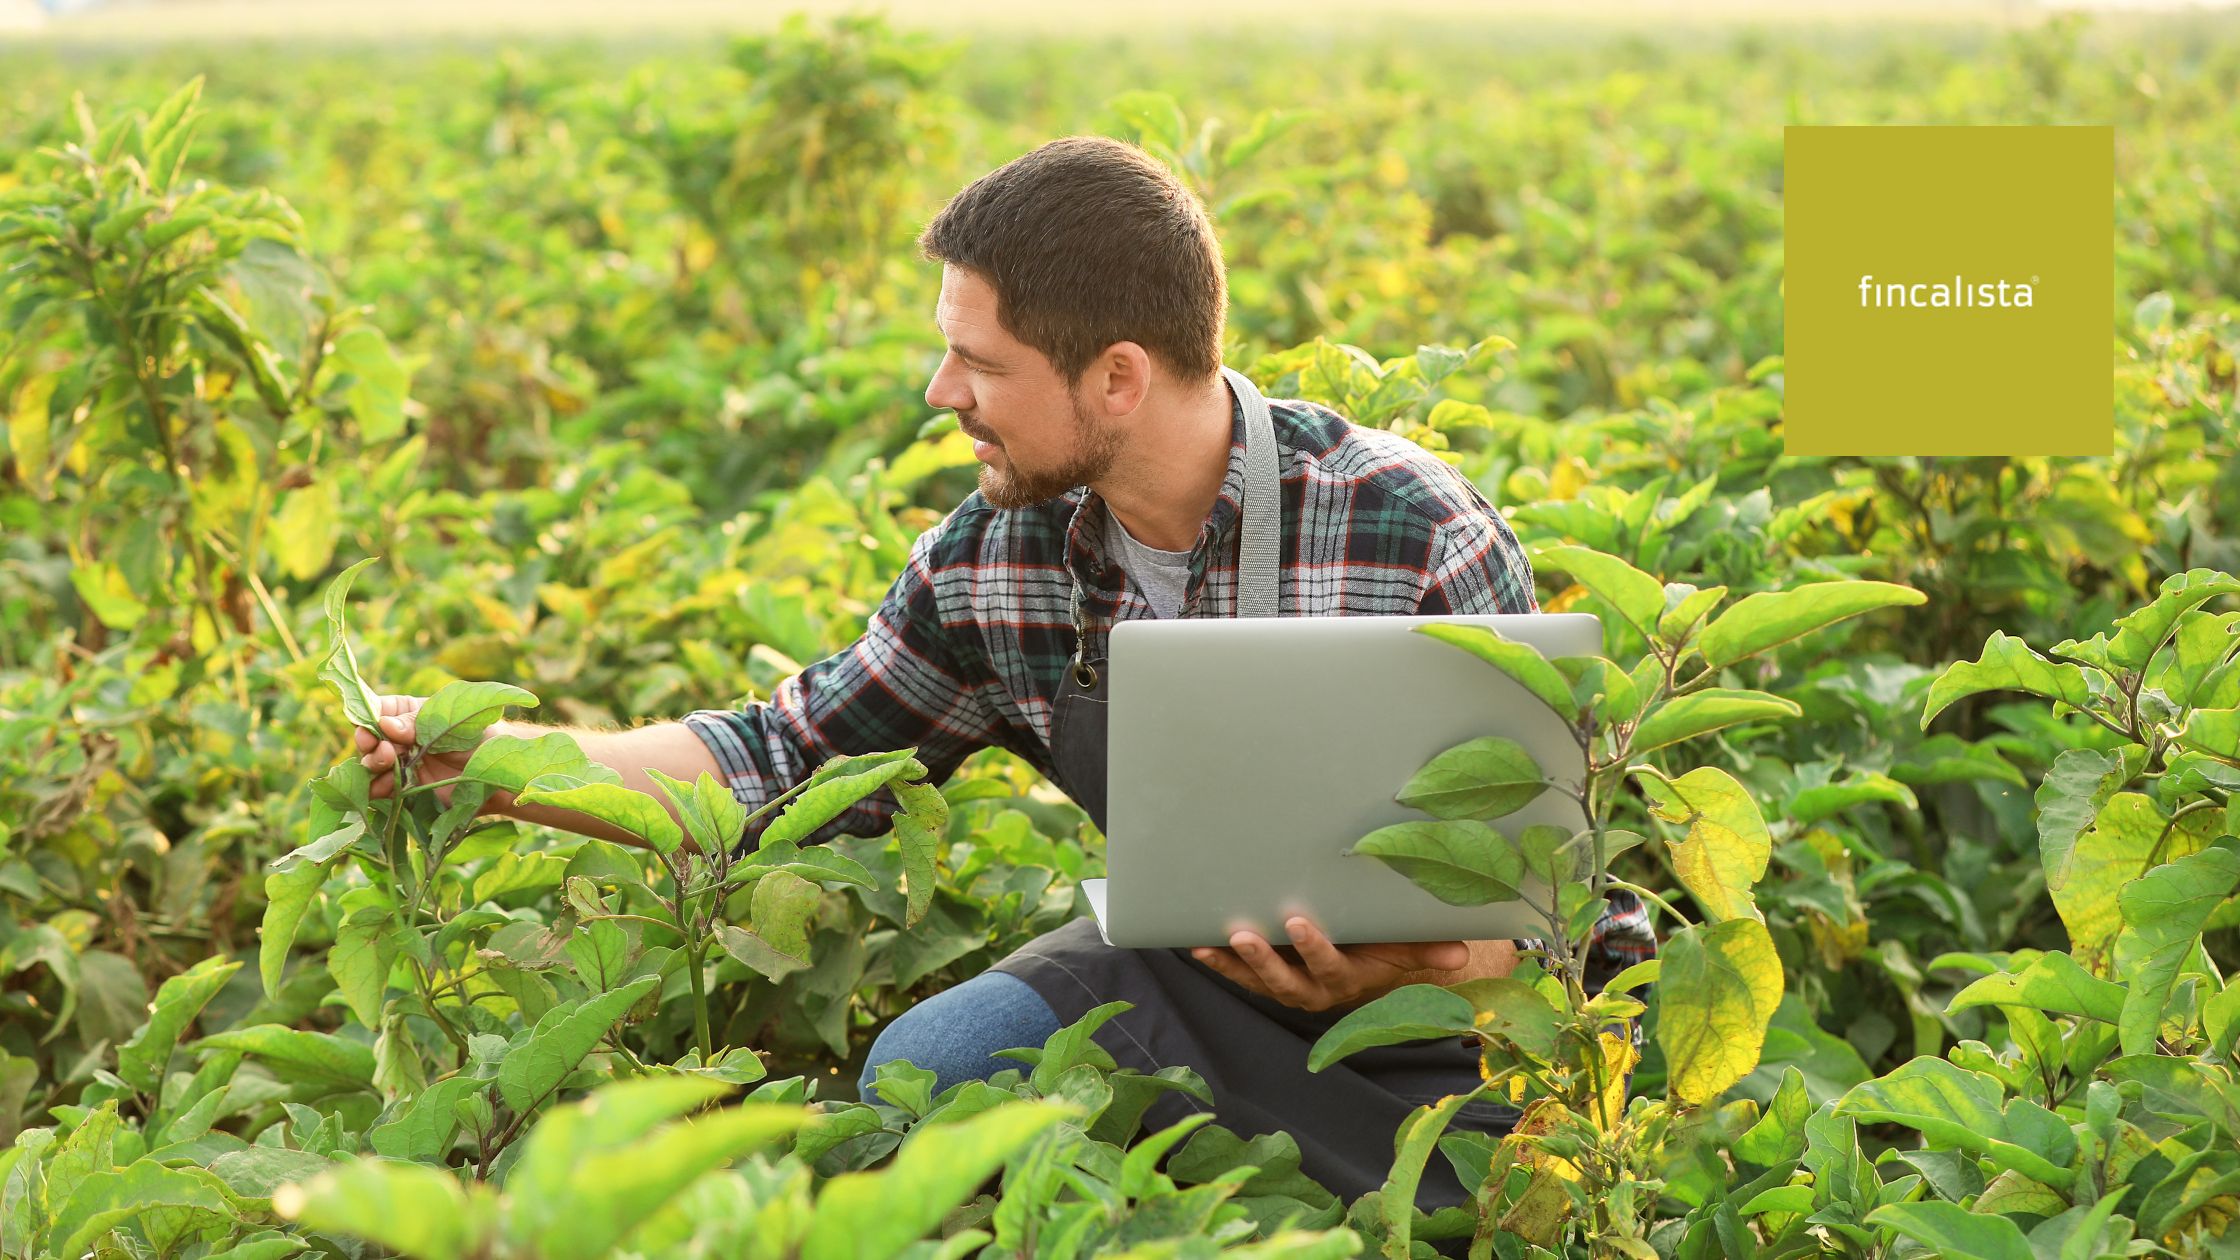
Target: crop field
pixel 581 382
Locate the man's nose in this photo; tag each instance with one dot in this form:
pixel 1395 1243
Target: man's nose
pixel 943 393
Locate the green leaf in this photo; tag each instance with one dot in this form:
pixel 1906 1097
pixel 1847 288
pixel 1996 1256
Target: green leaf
pixel 780 911
pixel 906 1085
pixel 288 895
pixel 2007 664
pixel 365 948
pixel 295 1055
pixel 322 850
pixel 1511 1009
pixel 1598 683
pixel 2220 1019
pixel 1727 845
pixel 1069 1048
pixel 411 1209
pixel 712 814
pixel 1792 1199
pixel 1950 1230
pixel 1702 712
pixel 1484 779
pixel 256 1171
pixel 2164 913
pixel 918 830
pixel 817 864
pixel 593 1171
pixel 512 763
pixel 1778 1136
pixel 359 702
pixel 1685 607
pixel 2213 731
pixel 2198 676
pixel 1716 993
pixel 423 1131
pixel 1461 862
pixel 2052 983
pixel 1415 1012
pixel 1634 595
pixel 2012 1194
pixel 838 784
pixel 757 954
pixel 141 1061
pixel 1814 804
pixel 378 385
pixel 632 811
pixel 600 950
pixel 517 871
pixel 454 718
pixel 1768 619
pixel 541 1058
pixel 1418 1136
pixel 879 1215
pixel 2139 633
pixel 1521 662
pixel 1952 1106
pixel 1139 1167
pixel 103 1200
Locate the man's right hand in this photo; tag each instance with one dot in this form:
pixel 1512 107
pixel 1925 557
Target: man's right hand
pixel 378 752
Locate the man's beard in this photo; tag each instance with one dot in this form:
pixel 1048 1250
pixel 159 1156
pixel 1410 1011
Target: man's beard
pixel 1095 449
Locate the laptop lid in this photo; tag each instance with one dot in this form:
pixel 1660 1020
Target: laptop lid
pixel 1247 755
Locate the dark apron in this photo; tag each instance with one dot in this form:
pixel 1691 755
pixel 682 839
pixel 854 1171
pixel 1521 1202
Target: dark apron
pixel 1251 1050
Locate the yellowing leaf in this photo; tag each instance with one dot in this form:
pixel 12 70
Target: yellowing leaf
pixel 304 532
pixel 2129 834
pixel 28 432
pixel 1727 845
pixel 1716 994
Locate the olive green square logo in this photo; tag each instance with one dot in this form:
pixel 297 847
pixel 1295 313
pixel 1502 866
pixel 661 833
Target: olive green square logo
pixel 1949 290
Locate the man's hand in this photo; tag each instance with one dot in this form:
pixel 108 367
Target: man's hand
pixel 1328 976
pixel 378 752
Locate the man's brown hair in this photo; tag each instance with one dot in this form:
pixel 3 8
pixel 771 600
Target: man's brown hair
pixel 1089 241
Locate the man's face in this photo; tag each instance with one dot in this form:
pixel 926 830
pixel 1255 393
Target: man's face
pixel 1033 436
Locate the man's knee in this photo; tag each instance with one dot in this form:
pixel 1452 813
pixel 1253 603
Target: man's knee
pixel 955 1033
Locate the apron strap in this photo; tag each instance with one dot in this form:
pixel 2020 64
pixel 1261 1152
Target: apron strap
pixel 1259 553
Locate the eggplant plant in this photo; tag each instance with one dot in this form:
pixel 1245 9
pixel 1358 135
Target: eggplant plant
pixel 1585 1161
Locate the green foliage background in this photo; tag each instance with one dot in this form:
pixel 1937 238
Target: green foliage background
pixel 616 358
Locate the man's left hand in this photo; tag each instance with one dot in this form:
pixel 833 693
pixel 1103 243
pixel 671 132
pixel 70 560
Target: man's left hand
pixel 1326 976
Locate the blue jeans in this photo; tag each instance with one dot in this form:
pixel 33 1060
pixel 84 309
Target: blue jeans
pixel 956 1032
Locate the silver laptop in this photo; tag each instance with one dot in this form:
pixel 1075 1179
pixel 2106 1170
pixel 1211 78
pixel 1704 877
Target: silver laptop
pixel 1247 755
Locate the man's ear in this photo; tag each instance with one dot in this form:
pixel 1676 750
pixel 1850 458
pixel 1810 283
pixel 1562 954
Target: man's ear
pixel 1119 378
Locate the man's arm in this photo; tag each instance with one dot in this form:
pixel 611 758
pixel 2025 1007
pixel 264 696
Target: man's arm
pixel 905 683
pixel 669 747
pixel 914 679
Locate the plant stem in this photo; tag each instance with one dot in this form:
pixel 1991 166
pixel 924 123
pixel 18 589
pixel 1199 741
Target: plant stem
pixel 1653 899
pixel 272 614
pixel 428 1000
pixel 693 957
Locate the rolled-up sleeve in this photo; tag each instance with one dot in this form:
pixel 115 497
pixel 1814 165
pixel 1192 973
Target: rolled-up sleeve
pixel 904 684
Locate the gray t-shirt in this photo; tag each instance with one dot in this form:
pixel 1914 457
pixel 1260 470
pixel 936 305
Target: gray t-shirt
pixel 1163 575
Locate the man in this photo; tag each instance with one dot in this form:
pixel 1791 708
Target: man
pixel 1082 301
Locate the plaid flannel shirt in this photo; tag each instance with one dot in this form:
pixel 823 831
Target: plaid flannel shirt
pixel 966 649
